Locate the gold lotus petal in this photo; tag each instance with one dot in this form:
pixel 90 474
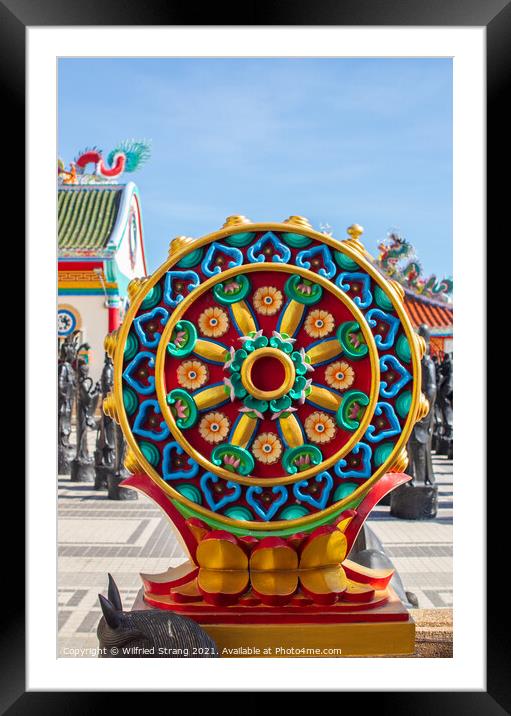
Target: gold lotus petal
pixel 323 550
pixel 221 554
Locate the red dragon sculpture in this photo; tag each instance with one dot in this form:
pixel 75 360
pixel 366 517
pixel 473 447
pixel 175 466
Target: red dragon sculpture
pixel 126 157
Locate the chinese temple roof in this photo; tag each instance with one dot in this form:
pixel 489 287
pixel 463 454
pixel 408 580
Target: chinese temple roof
pixel 435 314
pixel 92 218
pixel 87 216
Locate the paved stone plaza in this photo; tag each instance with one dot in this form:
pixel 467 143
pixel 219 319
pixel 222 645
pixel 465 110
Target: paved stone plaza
pixel 97 535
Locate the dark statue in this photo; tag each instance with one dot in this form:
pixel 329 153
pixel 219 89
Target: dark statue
pixel 67 387
pixel 445 398
pixel 66 393
pixel 104 455
pixel 82 467
pixel 115 477
pixel 420 465
pixel 437 411
pixel 149 633
pixel 418 498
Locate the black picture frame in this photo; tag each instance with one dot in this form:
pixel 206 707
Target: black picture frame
pixel 15 17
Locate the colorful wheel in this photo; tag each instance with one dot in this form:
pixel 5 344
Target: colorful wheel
pixel 271 380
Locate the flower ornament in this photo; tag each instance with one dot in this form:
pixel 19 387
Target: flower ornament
pixel 340 375
pixel 213 322
pixel 192 374
pixel 214 427
pixel 320 428
pixel 267 300
pixel 267 448
pixel 319 323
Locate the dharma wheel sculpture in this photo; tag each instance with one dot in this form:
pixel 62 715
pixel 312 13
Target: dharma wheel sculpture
pixel 267 378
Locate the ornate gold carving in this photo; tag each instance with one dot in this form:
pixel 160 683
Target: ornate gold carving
pixel 110 342
pixel 423 409
pixel 110 407
pixel 178 244
pixel 300 221
pixel 131 462
pixel 421 345
pixel 134 286
pixel 235 220
pixel 401 462
pixel 355 231
pixel 284 360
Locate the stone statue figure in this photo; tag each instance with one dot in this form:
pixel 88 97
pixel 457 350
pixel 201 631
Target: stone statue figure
pixel 420 465
pixel 82 467
pixel 66 392
pixel 445 397
pixel 104 455
pixel 119 473
pixel 437 412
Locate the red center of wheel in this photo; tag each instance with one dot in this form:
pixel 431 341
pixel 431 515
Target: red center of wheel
pixel 267 373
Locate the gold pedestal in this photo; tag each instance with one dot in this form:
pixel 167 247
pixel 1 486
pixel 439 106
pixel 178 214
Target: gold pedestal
pixel 335 631
pixel 313 640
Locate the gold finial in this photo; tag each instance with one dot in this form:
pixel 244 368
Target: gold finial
pixel 178 243
pixel 110 342
pixel 299 221
pixel 131 462
pixel 423 407
pixel 235 220
pixel 397 288
pixel 355 231
pixel 421 345
pixel 109 407
pixel 134 287
pixel 401 462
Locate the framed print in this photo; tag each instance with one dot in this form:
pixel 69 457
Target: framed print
pixel 262 386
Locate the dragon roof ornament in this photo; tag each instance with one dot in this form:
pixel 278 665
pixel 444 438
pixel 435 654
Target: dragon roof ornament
pixel 91 166
pixel 397 260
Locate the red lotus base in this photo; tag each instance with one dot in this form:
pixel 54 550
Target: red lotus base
pixel 382 628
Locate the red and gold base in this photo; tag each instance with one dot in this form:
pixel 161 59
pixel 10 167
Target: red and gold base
pixel 293 596
pixel 381 628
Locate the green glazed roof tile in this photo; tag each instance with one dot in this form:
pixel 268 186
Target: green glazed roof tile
pixel 87 216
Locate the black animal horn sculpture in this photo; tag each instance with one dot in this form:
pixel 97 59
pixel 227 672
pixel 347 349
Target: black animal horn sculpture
pixel 110 613
pixel 149 632
pixel 113 594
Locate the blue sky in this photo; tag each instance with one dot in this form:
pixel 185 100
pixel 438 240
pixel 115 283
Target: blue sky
pixel 336 140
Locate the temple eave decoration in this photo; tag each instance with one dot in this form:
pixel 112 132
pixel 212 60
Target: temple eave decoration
pixel 427 300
